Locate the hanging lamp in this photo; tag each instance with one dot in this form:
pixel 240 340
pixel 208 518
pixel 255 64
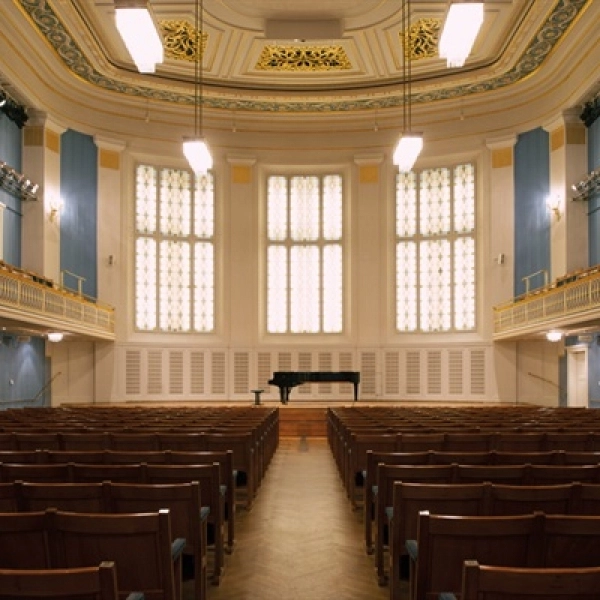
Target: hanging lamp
pixel 196 149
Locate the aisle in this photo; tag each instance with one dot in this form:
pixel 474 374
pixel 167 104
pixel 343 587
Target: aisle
pixel 301 540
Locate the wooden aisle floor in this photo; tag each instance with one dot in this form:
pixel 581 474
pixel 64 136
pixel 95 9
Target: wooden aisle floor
pixel 301 540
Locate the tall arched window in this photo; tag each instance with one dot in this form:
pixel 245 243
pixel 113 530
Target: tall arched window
pixel 174 251
pixel 435 250
pixel 304 254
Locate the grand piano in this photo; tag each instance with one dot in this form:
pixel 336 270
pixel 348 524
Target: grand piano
pixel 286 380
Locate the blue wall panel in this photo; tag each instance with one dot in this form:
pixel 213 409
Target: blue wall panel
pixel 79 217
pixel 22 372
pixel 11 154
pixel 532 221
pixel 594 201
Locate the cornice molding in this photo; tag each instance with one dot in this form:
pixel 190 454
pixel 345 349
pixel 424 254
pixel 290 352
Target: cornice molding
pixel 558 21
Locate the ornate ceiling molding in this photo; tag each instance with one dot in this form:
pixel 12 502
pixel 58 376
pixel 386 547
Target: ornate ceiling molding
pixel 562 16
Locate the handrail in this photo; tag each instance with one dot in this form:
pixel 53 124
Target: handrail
pixel 28 298
pixel 80 280
pixel 566 299
pixel 527 279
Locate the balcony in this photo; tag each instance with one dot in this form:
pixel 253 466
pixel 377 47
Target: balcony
pixel 570 304
pixel 33 305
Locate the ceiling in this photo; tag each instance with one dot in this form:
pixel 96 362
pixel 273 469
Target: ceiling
pixel 264 71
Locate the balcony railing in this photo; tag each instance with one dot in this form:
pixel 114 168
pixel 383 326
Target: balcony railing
pixel 27 298
pixel 570 300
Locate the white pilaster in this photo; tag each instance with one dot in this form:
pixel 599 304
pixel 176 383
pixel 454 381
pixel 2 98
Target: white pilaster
pixel 40 250
pixel 569 226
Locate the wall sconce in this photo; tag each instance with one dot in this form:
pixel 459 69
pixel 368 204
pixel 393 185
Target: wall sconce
pixel 554 206
pixel 16 183
pixel 55 336
pixel 554 336
pixel 54 210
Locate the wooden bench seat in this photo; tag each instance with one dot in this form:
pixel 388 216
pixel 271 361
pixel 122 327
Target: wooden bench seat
pixel 86 583
pixel 536 540
pixel 486 582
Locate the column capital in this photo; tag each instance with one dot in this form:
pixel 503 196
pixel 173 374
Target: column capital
pixel 38 118
pixel 239 160
pixel 109 144
pixel 570 117
pixel 363 160
pixel 501 142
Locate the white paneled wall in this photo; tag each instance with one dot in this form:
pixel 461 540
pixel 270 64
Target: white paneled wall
pixel 386 374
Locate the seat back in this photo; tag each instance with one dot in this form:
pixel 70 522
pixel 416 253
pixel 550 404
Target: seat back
pixel 548 474
pixel 88 583
pixel 523 499
pixel 75 497
pixel 139 544
pixel 23 541
pixel 445 542
pixel 571 541
pixel 84 473
pixel 508 474
pixel 89 440
pixel 133 441
pixel 484 582
pixel 27 472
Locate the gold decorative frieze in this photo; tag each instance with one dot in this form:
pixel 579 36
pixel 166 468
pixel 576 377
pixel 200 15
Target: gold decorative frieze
pixel 303 58
pixel 424 38
pixel 179 38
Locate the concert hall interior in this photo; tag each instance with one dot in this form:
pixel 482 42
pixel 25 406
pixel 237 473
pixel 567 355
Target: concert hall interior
pixel 302 268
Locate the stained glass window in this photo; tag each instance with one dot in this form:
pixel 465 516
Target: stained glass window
pixel 435 250
pixel 304 254
pixel 174 250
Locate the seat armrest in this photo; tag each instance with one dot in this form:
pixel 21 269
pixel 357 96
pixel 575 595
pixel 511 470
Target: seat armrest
pixel 204 512
pixel 446 596
pixel 177 548
pixel 413 549
pixel 135 596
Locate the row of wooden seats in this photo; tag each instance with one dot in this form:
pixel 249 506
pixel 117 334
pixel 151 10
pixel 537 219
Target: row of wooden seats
pixel 91 583
pixel 355 457
pixel 224 459
pixel 184 500
pixel 444 418
pixel 249 457
pixel 208 477
pixel 488 582
pixel 148 558
pixel 525 474
pixel 227 474
pixel 373 459
pixel 352 462
pixel 537 540
pixel 481 499
pixel 343 422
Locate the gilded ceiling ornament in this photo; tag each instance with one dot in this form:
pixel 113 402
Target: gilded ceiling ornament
pixel 179 39
pixel 424 38
pixel 303 58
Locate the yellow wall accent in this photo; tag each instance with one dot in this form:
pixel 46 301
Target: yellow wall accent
pixel 557 138
pixel 33 136
pixel 369 174
pixel 575 134
pixel 52 141
pixel 241 174
pixel 109 159
pixel 502 157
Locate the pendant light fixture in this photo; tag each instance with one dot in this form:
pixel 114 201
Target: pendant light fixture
pixel 462 24
pixel 140 33
pixel 410 144
pixel 195 149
